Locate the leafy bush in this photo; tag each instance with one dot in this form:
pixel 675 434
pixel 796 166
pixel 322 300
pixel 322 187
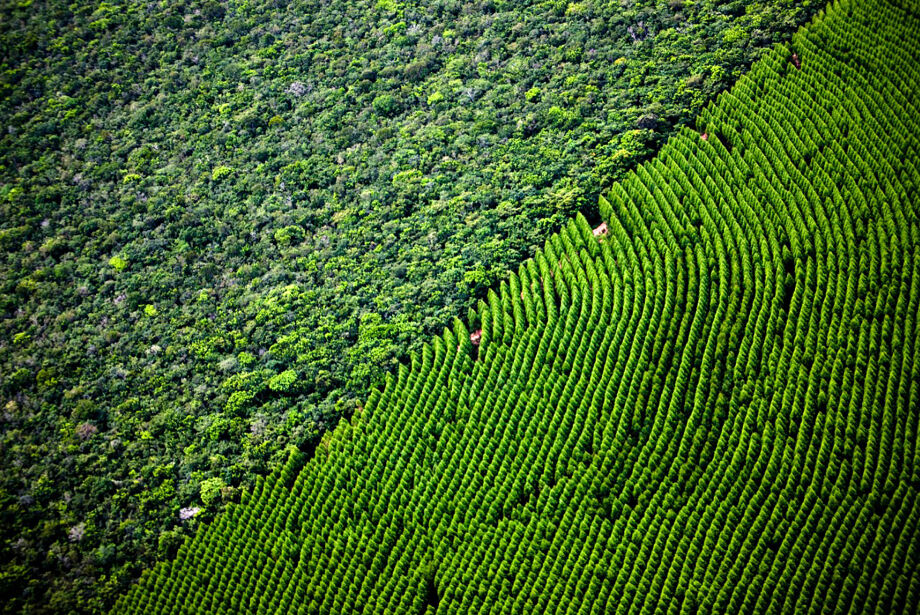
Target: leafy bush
pixel 210 490
pixel 283 382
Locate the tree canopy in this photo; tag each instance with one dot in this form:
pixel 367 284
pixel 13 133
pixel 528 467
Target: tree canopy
pixel 221 222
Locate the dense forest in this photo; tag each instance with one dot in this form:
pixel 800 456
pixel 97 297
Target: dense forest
pixel 708 403
pixel 222 222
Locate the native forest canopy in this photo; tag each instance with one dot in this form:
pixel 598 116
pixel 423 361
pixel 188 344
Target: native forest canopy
pixel 675 246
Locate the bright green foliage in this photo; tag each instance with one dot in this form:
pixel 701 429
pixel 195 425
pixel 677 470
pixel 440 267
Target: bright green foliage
pixel 220 172
pixel 283 381
pixel 210 489
pixel 118 263
pixel 712 409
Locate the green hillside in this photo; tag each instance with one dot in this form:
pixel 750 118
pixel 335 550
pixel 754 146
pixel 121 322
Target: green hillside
pixel 713 408
pixel 223 221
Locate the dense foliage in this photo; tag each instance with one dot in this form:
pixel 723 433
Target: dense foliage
pixel 220 222
pixel 714 408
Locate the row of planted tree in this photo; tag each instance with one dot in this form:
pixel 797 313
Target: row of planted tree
pixel 711 404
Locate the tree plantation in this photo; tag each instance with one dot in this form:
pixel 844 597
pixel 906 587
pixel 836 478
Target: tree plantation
pixel 708 404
